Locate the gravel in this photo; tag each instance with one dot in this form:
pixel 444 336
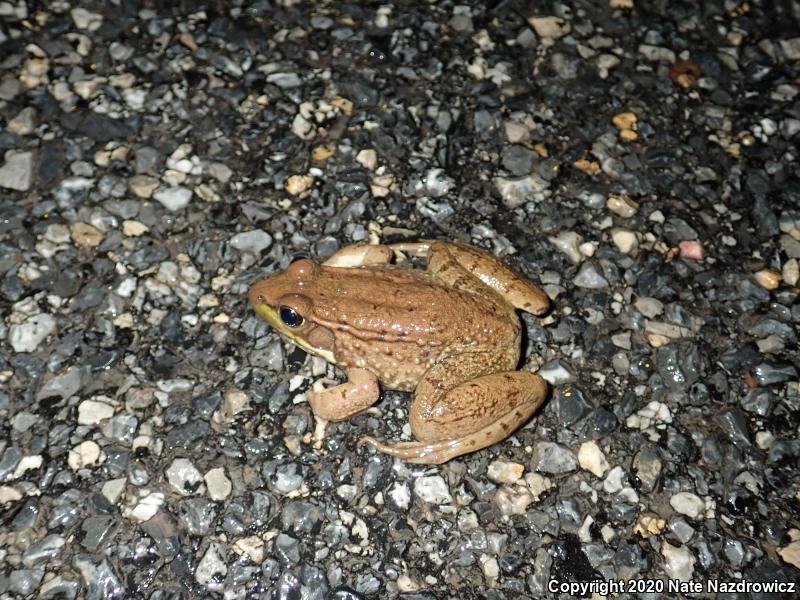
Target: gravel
pixel 637 160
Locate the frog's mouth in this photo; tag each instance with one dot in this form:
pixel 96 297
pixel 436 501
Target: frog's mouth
pixel 272 316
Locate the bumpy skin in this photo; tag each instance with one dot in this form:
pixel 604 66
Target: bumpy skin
pixel 450 333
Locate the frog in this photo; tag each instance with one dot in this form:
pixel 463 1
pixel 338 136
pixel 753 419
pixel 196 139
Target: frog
pixel 449 332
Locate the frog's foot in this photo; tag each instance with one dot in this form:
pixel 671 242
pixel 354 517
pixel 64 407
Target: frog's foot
pixel 471 416
pixel 356 395
pixel 438 452
pixel 434 453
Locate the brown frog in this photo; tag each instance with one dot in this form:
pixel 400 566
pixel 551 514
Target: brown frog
pixel 450 333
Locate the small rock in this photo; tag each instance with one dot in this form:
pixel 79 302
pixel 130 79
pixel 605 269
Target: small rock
pixel 433 490
pixel 147 507
pixel 589 277
pixel 218 485
pixel 254 242
pixel 501 471
pixel 92 412
pixel 769 279
pixel 688 504
pixel 134 228
pixel 86 236
pixel 28 336
pixel 549 27
pixel 184 477
pixel 85 454
pixel 46 549
pixel 112 489
pixel 368 158
pixel 400 495
pixel 568 242
pixel 24 123
pixel 549 457
pixel 791 272
pixel 592 458
pixel 678 562
pixel 212 569
pixel 84 19
pixel 17 172
pixel 512 500
pixel 297 184
pixel 143 186
pixel 623 206
pixel 219 171
pixel 173 198
pixel 517 191
pixel 649 524
pixel 649 307
pixel 791 553
pixel 615 480
pixel 31 462
pixel 517 132
pixel 251 547
pixel 625 240
pixel 693 250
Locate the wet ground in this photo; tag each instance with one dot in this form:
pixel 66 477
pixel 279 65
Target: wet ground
pixel 637 159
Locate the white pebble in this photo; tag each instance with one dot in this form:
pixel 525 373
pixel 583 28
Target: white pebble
pixel 678 562
pixel 512 500
pixel 173 198
pixel 625 240
pixel 653 414
pixel 211 570
pixel 688 504
pixel 367 158
pixel 569 243
pixel 218 485
pixel 614 481
pixel 91 412
pixel 251 547
pixel 183 476
pixel 791 272
pixel 28 336
pixel 85 454
pixel 549 27
pixel 400 495
pixel 28 463
pixel 84 19
pixel 501 471
pixel 590 278
pixel 254 242
pixel 433 490
pixel 592 459
pixel 146 508
pixel 112 489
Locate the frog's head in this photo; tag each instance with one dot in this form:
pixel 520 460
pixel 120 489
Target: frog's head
pixel 286 301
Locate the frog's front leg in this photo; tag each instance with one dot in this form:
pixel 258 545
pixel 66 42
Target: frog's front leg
pixel 357 394
pixel 460 265
pixel 473 415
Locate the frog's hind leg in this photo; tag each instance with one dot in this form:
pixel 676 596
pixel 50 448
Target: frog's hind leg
pixel 461 265
pixel 471 416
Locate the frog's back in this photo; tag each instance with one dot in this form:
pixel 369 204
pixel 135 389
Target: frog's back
pixel 397 322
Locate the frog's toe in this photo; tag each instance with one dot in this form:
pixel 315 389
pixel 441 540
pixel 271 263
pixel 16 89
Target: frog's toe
pixel 434 453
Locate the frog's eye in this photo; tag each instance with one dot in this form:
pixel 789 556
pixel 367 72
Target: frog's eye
pixel 290 317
